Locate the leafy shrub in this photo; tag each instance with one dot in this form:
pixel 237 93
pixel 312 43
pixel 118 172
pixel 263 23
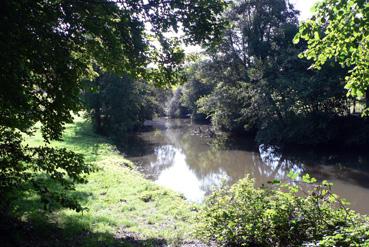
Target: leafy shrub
pixel 281 215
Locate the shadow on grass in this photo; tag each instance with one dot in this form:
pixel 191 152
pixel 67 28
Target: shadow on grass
pixel 56 228
pixel 82 135
pixel 43 229
pixel 41 233
pixel 30 225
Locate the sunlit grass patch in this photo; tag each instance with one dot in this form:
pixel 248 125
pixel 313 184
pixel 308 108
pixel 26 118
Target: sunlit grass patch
pixel 116 197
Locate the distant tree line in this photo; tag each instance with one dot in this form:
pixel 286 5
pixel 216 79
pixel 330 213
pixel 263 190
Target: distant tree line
pixel 119 105
pixel 254 82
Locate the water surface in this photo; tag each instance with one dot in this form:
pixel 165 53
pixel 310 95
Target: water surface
pixel 185 157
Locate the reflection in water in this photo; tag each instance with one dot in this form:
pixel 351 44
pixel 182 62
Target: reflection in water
pixel 177 154
pixel 278 165
pixel 179 174
pixel 174 172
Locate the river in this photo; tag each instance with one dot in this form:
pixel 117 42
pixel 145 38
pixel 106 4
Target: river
pixel 184 157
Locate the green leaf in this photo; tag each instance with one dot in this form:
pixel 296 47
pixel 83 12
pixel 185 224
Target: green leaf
pixel 293 175
pixel 316 35
pixel 296 39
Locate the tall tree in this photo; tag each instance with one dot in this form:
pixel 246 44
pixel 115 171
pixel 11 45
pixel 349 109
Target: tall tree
pixel 250 54
pixel 261 86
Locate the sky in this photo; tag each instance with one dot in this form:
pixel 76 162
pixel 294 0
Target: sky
pixel 304 6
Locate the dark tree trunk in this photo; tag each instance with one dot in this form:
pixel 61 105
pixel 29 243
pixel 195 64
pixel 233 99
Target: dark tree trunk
pixel 354 110
pixel 98 126
pixel 97 108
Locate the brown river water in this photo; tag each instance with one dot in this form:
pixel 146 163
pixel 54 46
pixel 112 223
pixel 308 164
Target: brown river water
pixel 182 156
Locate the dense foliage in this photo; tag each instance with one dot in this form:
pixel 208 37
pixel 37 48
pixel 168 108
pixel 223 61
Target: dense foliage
pixel 193 90
pixel 184 101
pixel 281 216
pixel 339 30
pixel 254 82
pixel 176 109
pixel 120 104
pixel 48 46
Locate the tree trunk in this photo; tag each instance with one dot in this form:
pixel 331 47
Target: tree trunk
pixel 98 126
pixel 354 108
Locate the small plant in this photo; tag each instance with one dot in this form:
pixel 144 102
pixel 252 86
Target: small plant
pixel 298 214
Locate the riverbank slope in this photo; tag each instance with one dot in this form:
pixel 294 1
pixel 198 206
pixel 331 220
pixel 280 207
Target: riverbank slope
pixel 122 208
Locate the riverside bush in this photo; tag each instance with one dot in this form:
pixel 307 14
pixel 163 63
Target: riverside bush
pixel 298 214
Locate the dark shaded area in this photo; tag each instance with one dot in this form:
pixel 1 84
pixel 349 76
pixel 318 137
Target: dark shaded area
pixel 350 165
pixel 135 146
pixel 319 132
pixel 42 234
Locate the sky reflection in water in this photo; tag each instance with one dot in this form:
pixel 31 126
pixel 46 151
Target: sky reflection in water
pixel 179 176
pixel 178 155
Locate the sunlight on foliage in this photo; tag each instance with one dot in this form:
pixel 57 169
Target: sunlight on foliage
pixel 297 214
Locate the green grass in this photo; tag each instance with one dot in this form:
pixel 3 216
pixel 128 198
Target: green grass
pixel 118 199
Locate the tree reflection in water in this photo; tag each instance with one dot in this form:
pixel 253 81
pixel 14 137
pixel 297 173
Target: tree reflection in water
pixel 277 166
pixel 177 154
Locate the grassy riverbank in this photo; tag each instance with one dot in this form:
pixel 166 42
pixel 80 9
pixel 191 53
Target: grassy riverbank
pixel 123 208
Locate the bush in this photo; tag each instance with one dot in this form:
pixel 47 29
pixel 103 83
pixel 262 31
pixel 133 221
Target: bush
pixel 280 216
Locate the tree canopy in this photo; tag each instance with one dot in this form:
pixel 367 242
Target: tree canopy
pixel 121 104
pixel 47 48
pixel 254 82
pixel 339 31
